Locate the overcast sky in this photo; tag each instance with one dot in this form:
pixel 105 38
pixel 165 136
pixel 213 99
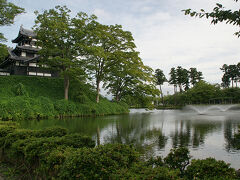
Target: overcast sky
pixel 164 36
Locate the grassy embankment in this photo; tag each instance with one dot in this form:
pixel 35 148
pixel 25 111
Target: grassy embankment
pixel 36 97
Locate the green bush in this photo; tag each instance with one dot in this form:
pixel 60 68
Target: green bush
pixel 20 90
pixel 155 162
pixel 34 148
pixel 178 159
pixel 51 164
pixel 140 171
pixel 210 168
pixel 99 162
pixel 21 134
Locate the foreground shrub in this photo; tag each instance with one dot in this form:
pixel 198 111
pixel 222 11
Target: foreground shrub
pixel 141 171
pixel 21 134
pixel 99 162
pixel 210 168
pixel 33 149
pixel 178 159
pixel 51 164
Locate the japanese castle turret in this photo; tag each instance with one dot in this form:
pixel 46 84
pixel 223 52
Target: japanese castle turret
pixel 23 60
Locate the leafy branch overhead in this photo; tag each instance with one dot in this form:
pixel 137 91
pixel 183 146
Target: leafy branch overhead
pixel 219 14
pixel 8 11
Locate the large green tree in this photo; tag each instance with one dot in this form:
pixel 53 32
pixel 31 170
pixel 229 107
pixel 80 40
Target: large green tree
pixel 123 79
pixel 109 47
pixel 59 35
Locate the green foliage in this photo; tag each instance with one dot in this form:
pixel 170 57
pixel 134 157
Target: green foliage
pixel 98 163
pixel 110 56
pixel 8 12
pixel 65 107
pixel 141 171
pixel 158 161
pixel 210 169
pixel 178 159
pixel 231 74
pixel 21 134
pixel 219 14
pixel 201 93
pixel 3 52
pixel 35 97
pixel 39 149
pixel 20 90
pixel 182 77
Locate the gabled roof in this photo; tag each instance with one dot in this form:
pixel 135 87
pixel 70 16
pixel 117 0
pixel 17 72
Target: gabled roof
pixel 24 33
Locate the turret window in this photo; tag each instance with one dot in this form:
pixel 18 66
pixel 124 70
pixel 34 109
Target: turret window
pixel 23 54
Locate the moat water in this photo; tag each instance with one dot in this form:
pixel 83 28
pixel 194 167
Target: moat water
pixel 208 131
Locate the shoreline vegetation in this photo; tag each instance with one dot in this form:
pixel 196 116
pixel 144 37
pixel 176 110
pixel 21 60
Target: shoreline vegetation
pixel 23 97
pixel 56 153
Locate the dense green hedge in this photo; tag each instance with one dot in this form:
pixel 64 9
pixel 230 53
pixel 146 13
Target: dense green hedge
pixel 36 97
pixel 55 154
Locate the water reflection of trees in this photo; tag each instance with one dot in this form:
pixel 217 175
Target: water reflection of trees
pixel 191 133
pixel 136 131
pixel 148 139
pixel 230 131
pixel 139 130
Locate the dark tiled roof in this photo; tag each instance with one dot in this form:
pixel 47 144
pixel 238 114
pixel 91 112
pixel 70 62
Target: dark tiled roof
pixel 13 56
pixel 24 32
pixel 29 48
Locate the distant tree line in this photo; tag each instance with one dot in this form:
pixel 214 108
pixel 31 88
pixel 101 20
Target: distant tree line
pixel 179 77
pixel 183 78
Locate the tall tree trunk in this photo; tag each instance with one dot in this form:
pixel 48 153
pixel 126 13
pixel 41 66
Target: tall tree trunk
pixel 180 87
pixel 232 83
pixel 160 88
pixel 66 86
pixel 117 98
pixel 98 91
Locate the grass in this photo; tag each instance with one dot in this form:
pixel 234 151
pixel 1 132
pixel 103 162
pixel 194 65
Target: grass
pixel 37 97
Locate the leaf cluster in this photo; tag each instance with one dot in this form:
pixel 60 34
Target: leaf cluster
pixel 8 11
pixel 218 14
